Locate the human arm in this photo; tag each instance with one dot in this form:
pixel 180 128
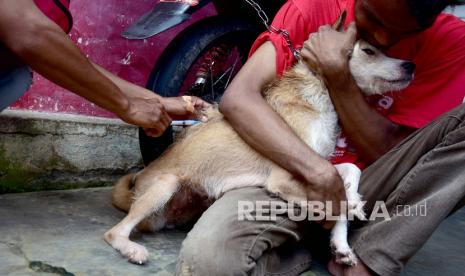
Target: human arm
pixel 178 108
pixel 370 133
pixel 40 43
pixel 264 130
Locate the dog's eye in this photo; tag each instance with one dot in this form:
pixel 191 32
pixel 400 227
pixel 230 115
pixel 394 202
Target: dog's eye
pixel 369 51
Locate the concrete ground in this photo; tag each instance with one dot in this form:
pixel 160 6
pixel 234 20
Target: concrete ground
pixel 61 232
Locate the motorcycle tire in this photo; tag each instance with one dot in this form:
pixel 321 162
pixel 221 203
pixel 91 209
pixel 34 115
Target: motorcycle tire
pixel 169 75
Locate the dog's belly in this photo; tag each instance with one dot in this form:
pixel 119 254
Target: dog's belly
pixel 235 164
pixel 217 185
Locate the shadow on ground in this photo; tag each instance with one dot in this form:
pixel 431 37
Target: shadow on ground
pixel 61 232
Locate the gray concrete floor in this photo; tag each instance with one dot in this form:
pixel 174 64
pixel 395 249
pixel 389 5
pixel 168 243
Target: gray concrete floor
pixel 61 232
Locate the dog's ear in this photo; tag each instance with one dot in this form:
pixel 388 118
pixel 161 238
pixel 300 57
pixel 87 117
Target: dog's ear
pixel 339 24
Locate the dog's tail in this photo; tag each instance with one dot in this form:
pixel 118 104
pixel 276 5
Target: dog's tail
pixel 122 196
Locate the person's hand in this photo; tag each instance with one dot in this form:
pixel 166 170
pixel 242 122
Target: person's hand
pixel 186 108
pixel 148 113
pixel 328 51
pixel 324 186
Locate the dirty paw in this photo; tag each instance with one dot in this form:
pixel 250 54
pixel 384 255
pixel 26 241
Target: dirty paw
pixel 346 257
pixel 343 253
pixel 136 254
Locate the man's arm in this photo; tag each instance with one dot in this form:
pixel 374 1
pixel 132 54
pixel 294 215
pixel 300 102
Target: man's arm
pixel 176 107
pixel 370 132
pixel 40 43
pixel 263 129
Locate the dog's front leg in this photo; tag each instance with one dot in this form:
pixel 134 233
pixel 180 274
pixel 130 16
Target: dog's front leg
pixel 350 175
pixel 339 244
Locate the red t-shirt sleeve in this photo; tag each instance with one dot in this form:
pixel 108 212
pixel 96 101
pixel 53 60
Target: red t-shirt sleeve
pixel 57 11
pixel 288 18
pixel 300 18
pixel 439 83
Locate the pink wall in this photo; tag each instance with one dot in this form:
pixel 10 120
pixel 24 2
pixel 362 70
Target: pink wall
pixel 96 31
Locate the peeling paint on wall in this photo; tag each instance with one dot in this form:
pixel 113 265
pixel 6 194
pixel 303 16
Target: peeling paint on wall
pixel 127 59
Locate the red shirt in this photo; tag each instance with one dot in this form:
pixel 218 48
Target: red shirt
pixel 438 52
pixel 57 11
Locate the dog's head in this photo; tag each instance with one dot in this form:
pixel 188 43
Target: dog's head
pixel 375 73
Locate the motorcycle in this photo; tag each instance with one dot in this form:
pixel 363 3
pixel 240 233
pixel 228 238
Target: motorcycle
pixel 203 58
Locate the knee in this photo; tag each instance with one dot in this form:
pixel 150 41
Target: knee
pixel 457 113
pixel 212 256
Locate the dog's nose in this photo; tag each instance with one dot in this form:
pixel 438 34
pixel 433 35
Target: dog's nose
pixel 409 67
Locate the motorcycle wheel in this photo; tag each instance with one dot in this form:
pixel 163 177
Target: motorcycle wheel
pixel 201 62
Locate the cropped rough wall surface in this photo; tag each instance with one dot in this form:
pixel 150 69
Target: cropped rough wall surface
pixel 52 151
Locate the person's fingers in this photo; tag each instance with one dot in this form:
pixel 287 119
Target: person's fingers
pixel 308 56
pixel 152 132
pixel 313 38
pixel 310 59
pixel 203 104
pixel 164 121
pixel 324 28
pixel 190 107
pixel 198 102
pixel 156 120
pixel 167 118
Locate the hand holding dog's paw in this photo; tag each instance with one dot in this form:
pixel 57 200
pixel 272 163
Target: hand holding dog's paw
pixel 186 108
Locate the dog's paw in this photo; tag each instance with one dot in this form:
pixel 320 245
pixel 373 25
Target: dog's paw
pixel 343 253
pixel 346 257
pixel 136 254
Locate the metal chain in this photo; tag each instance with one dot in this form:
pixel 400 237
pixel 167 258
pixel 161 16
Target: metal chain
pixel 261 13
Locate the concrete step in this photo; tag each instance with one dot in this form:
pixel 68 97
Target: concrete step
pixel 61 232
pixel 49 151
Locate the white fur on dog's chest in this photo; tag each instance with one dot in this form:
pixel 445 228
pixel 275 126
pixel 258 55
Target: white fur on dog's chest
pixel 322 130
pixel 322 133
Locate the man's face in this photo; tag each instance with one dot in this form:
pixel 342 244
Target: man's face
pixel 383 23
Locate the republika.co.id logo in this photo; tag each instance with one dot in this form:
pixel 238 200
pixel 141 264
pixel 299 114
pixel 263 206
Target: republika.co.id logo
pixel 317 211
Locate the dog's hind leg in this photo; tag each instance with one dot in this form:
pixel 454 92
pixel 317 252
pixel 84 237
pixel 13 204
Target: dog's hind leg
pixel 160 190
